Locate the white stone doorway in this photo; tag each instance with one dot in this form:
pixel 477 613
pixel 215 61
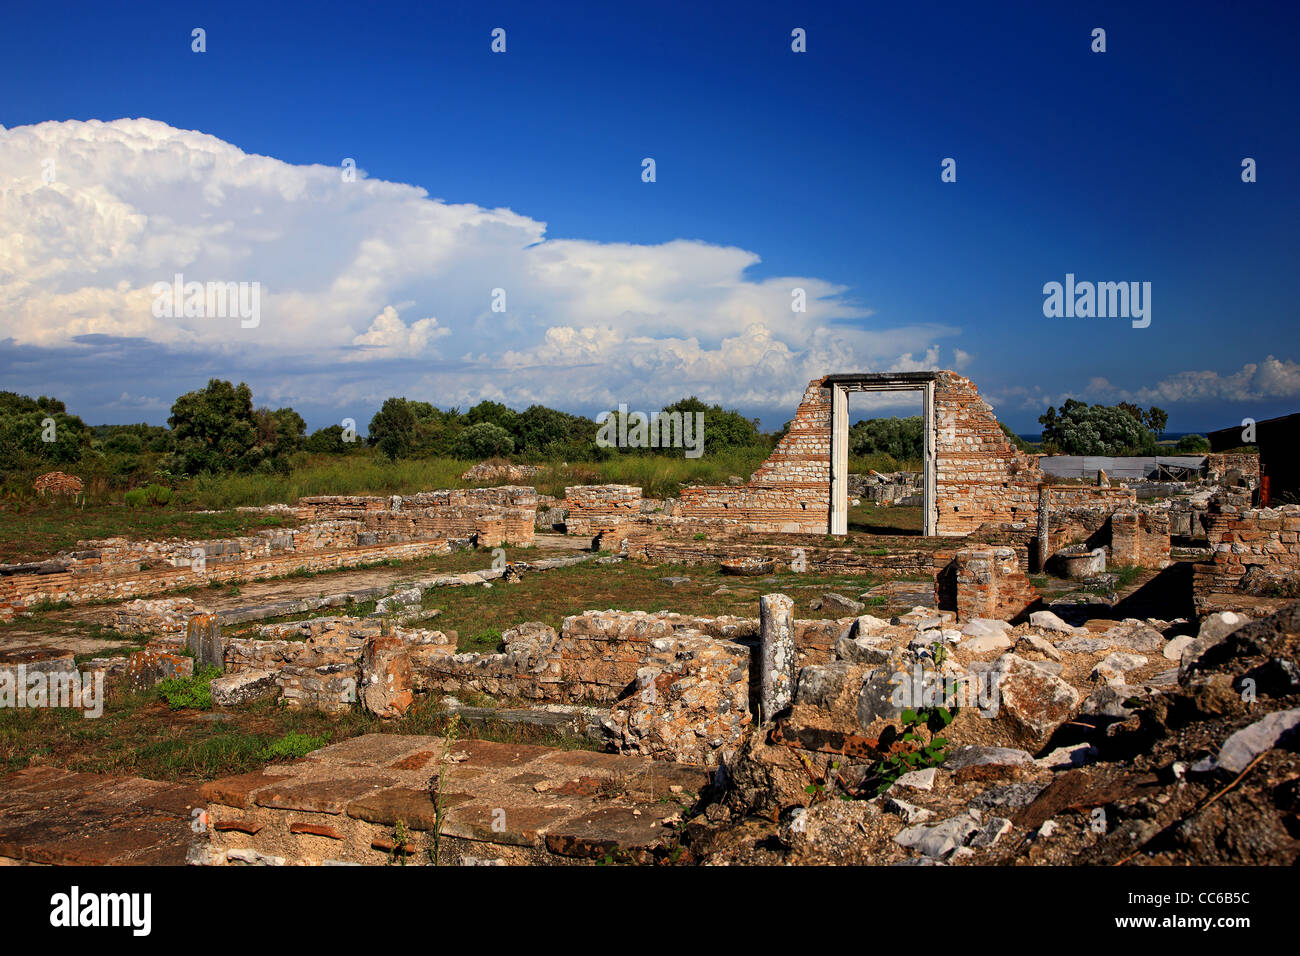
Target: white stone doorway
pixel 840 386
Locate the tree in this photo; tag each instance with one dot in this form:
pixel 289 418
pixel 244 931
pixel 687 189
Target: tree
pixel 1083 429
pixel 900 438
pixel 1157 419
pixel 723 428
pixel 280 433
pixel 548 433
pixel 484 440
pixel 392 430
pixel 215 429
pixel 38 433
pixel 493 413
pixel 329 440
pixel 1192 445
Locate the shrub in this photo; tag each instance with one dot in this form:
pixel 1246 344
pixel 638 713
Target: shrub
pixel 157 495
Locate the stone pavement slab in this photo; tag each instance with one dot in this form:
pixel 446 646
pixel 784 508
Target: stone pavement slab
pixel 53 816
pixel 375 798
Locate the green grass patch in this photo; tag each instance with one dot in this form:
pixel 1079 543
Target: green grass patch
pixel 294 745
pixel 194 692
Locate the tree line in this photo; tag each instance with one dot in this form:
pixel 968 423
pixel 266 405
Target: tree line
pixel 218 430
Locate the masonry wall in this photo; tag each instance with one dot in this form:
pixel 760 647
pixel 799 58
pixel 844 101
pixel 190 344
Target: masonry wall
pixel 594 509
pixel 980 476
pixel 317 663
pixel 1258 543
pixel 1139 537
pixel 985 583
pixel 118 568
pixel 494 516
pixel 790 491
pixel 1217 466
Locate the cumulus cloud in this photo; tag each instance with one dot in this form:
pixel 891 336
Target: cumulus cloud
pixel 1269 380
pixel 94 214
pixel 388 333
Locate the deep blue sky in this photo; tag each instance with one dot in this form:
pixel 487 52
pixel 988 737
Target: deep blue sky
pixel 1117 166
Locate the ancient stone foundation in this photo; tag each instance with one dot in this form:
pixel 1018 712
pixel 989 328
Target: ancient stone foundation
pixel 1140 538
pixel 985 583
pixel 118 568
pixel 492 516
pixel 1255 551
pixel 338 532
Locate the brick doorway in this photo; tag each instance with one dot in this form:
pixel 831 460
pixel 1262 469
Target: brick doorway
pixel 840 386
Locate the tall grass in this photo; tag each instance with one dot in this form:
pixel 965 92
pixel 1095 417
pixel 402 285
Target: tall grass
pixel 357 474
pixel 370 474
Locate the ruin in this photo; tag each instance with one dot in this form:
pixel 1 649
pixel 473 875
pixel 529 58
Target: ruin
pixel 1008 607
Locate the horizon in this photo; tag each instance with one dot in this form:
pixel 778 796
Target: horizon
pixel 775 171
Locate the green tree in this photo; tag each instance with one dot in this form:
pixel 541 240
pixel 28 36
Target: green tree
pixel 493 413
pixel 544 432
pixel 39 434
pixel 1157 419
pixel 216 429
pixel 484 440
pixel 392 430
pixel 329 440
pixel 901 438
pixel 1192 445
pixel 723 428
pixel 1083 429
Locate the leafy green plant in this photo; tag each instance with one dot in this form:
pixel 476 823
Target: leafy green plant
pixel 401 843
pixel 193 693
pixel 920 730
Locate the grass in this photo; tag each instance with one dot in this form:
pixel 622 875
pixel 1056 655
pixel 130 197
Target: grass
pixel 37 531
pixel 480 616
pixel 868 518
pixel 140 734
pixel 41 527
pixel 191 692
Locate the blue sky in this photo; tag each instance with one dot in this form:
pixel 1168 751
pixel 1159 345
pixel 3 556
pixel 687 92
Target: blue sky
pixel 1121 166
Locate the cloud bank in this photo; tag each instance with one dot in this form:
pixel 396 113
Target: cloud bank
pixel 371 288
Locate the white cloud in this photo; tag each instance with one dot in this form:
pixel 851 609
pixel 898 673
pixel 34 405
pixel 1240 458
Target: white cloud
pixel 134 202
pixel 388 334
pixel 1264 381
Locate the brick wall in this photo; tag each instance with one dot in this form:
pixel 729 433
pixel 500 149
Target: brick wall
pixel 594 509
pixel 985 583
pixel 790 491
pixel 504 515
pixel 1140 537
pixel 1249 541
pixel 980 476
